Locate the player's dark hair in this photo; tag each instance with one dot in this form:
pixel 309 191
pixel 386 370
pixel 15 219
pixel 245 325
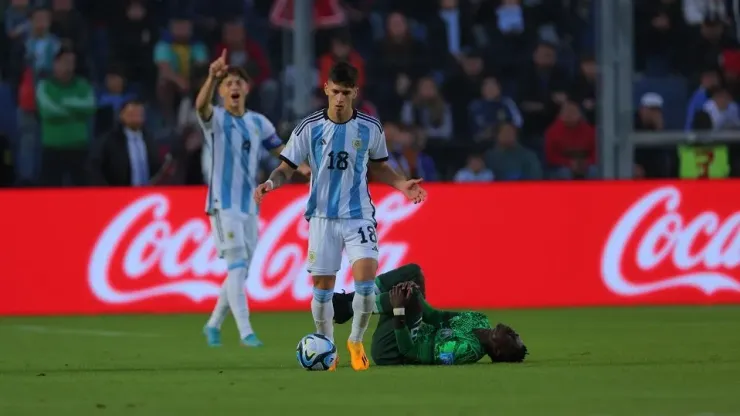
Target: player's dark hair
pixel 344 74
pixel 510 347
pixel 239 72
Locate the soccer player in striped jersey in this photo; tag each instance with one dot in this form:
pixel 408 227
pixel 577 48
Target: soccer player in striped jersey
pixel 234 136
pixel 342 146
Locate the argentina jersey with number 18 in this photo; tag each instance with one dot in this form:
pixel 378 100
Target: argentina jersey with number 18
pixel 234 143
pixel 338 155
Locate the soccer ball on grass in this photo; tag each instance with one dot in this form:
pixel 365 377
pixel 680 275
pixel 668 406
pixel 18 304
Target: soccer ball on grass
pixel 316 352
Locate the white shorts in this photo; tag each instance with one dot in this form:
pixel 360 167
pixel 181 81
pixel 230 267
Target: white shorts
pixel 327 237
pixel 234 232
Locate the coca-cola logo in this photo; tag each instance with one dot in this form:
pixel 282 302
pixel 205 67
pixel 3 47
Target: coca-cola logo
pixel 141 255
pixel 701 252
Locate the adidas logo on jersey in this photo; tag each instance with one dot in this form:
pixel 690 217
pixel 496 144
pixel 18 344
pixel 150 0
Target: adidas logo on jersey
pixel 375 248
pixel 323 142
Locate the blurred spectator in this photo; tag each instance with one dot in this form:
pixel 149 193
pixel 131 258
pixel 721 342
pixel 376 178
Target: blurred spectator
pixel 649 115
pixel 570 145
pixel 490 110
pixel 7 177
pixel 41 45
pixel 723 110
pixel 406 153
pixel 360 13
pixel 364 105
pixel 652 162
pixel 709 80
pixel 397 60
pixel 341 50
pixel 659 35
pixel 705 51
pixel 509 160
pixel 132 38
pixel 474 171
pixel 429 110
pixel 189 160
pixel 585 87
pixel 244 52
pixel 70 27
pixel 34 54
pixel 697 11
pixel 17 24
pixel 178 57
pixel 126 156
pixel 509 31
pixel 449 31
pixel 462 86
pixel 66 104
pixel 114 92
pixel 110 98
pixel 542 88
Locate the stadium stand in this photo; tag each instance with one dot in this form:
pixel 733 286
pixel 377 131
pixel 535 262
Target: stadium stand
pixel 450 75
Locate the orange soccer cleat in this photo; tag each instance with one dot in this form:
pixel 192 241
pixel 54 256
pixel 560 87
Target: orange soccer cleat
pixel 359 360
pixel 334 366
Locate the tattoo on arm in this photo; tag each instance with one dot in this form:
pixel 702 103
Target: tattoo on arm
pixel 278 177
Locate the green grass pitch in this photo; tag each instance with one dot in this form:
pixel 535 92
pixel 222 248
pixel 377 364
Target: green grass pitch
pixel 630 361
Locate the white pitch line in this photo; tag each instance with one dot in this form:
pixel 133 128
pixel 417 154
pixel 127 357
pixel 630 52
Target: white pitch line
pixel 74 331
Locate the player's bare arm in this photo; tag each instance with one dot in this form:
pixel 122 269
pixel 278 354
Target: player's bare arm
pixel 204 100
pixel 383 172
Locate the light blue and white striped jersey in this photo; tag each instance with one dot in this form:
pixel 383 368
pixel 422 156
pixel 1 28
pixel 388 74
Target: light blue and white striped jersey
pixel 234 144
pixel 338 155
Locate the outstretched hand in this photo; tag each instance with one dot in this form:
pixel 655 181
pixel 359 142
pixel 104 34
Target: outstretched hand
pixel 219 67
pixel 413 190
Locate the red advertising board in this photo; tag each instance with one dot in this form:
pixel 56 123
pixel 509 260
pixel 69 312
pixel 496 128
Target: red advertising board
pixel 92 251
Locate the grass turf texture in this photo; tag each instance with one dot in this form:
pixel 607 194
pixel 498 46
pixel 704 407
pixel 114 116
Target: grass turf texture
pixel 641 361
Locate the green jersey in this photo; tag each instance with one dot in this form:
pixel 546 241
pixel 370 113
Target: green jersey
pixel 443 338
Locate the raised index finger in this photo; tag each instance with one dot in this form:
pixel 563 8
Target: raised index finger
pixel 223 55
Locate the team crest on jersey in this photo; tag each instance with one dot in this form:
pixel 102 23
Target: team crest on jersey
pixel 311 257
pixel 357 144
pixel 230 235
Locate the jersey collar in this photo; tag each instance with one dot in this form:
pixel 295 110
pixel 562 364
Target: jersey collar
pixel 326 116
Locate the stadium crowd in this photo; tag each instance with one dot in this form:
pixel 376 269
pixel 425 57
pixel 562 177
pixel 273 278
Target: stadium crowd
pixel 100 92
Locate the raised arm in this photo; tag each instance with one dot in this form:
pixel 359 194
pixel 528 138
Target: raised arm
pixel 400 295
pixel 204 100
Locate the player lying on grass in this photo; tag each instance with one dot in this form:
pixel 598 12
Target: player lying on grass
pixel 410 331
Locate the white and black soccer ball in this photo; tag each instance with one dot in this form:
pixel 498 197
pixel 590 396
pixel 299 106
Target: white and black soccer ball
pixel 316 352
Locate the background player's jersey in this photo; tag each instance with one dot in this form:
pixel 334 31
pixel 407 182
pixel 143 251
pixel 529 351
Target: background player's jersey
pixel 234 144
pixel 449 342
pixel 338 155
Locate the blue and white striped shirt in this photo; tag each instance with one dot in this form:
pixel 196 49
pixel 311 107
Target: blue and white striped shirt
pixel 338 155
pixel 235 143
